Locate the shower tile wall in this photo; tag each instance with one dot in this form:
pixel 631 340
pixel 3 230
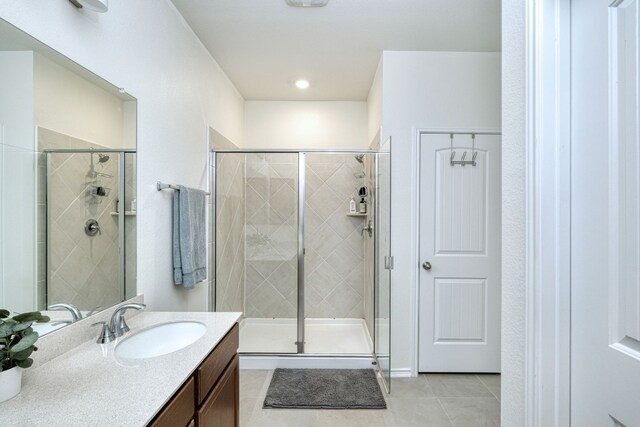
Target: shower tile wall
pixel 271 188
pixel 334 261
pixel 230 232
pixel 217 141
pixel 82 270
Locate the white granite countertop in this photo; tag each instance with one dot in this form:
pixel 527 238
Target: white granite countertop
pixel 88 386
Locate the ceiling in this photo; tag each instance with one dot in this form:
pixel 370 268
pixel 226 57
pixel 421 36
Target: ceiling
pixel 265 45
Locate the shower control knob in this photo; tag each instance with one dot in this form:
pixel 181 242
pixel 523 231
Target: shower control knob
pixel 91 227
pixel 426 265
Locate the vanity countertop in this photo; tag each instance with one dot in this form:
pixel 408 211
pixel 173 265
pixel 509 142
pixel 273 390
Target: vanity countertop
pixel 88 386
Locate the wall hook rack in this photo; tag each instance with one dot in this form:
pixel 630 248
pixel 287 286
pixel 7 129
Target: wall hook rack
pixel 462 161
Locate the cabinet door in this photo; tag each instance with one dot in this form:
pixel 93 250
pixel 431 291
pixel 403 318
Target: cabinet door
pixel 220 409
pixel 180 409
pixel 214 365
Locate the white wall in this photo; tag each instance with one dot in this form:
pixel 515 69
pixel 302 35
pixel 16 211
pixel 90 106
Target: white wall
pixel 67 103
pixel 305 124
pixel 426 90
pixel 17 182
pixel 374 104
pixel 16 99
pixel 513 212
pixel 146 47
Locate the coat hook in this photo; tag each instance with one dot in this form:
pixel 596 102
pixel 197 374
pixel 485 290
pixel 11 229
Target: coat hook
pixel 463 161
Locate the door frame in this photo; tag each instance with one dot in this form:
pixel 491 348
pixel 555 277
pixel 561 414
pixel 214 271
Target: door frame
pixel 547 304
pixel 415 292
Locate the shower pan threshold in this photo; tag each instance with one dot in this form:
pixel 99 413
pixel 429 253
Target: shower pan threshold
pixel 330 337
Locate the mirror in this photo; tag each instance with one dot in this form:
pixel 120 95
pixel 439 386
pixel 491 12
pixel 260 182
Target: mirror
pixel 67 185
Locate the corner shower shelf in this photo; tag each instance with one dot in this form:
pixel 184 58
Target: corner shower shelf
pixel 126 213
pixel 362 215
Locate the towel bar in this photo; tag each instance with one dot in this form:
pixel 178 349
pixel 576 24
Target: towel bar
pixel 162 186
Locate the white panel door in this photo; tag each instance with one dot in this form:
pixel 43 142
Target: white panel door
pixel 460 233
pixel 605 214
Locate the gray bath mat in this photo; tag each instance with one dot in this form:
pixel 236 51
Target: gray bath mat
pixel 324 389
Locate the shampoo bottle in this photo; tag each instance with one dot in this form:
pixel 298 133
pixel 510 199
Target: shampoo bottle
pixel 363 206
pixel 352 206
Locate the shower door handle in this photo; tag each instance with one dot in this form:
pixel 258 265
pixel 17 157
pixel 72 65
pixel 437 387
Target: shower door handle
pixel 367 228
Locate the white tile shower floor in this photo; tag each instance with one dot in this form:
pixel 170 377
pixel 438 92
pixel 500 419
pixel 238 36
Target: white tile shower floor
pixel 322 336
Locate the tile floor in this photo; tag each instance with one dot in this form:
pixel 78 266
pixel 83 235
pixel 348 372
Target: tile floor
pixel 436 400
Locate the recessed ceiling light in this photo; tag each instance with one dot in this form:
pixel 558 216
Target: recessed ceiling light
pixel 302 84
pixel 307 3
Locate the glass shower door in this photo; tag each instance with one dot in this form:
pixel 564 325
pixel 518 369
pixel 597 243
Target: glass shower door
pixel 256 247
pixel 383 263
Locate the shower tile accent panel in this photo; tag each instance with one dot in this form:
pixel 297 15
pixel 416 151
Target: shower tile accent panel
pixel 271 215
pixel 230 232
pixel 82 270
pixel 334 261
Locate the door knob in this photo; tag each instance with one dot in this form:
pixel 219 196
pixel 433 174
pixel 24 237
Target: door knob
pixel 426 265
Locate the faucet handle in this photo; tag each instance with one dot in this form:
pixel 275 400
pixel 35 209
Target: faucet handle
pixel 106 335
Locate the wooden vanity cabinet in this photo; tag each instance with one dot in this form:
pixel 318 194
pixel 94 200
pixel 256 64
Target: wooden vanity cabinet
pixel 221 406
pixel 211 396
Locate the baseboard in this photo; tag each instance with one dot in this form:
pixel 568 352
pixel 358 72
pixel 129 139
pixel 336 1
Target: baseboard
pixel 401 373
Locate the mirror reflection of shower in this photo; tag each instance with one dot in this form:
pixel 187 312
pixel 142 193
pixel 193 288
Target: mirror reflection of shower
pixel 96 181
pixel 88 252
pixel 360 159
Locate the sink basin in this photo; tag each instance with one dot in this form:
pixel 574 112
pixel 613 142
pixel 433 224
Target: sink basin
pixel 160 339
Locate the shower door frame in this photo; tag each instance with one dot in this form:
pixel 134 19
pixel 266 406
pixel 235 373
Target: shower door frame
pixel 301 248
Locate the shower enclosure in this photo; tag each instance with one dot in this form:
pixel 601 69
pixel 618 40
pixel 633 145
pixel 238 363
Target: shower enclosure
pixel 87 248
pixel 310 275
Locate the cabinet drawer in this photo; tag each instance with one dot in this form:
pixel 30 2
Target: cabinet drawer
pixel 210 370
pixel 180 409
pixel 220 409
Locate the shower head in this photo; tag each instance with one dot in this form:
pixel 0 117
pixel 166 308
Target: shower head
pixel 360 158
pixel 103 158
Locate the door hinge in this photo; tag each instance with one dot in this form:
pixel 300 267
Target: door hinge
pixel 388 262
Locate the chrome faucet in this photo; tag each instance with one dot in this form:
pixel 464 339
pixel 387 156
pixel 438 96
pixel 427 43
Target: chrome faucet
pixel 75 311
pixel 117 327
pixel 118 324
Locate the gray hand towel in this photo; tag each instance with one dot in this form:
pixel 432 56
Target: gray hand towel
pixel 189 237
